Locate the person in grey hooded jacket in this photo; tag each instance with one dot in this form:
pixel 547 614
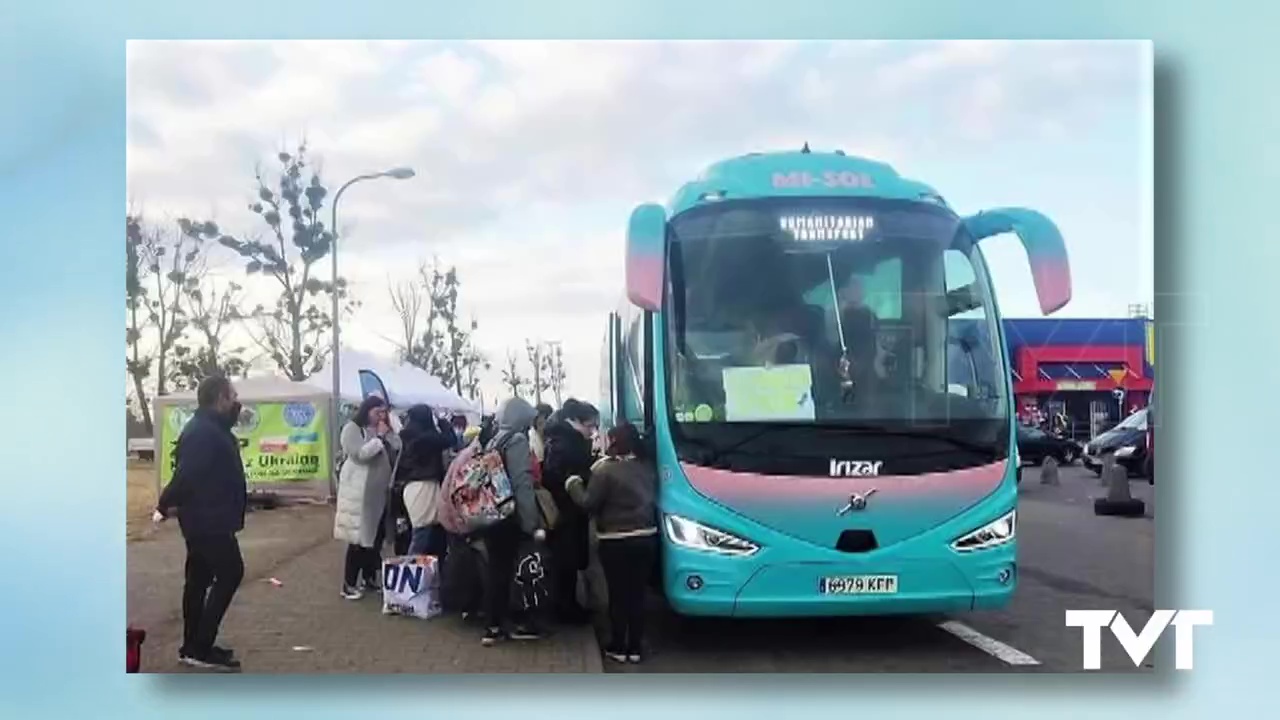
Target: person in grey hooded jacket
pixel 503 540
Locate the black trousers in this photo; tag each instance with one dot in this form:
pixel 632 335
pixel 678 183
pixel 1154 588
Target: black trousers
pixel 214 570
pixel 502 545
pixel 570 549
pixel 365 562
pixel 628 564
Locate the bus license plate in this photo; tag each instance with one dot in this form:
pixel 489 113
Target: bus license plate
pixel 859 585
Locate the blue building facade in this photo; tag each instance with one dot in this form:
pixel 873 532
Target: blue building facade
pixel 1092 371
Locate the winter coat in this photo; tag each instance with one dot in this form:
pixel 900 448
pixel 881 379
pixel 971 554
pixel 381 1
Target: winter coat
pixel 422 464
pixel 363 484
pixel 514 417
pixel 208 488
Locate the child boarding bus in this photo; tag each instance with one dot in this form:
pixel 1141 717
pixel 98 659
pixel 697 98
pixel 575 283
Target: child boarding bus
pixel 811 346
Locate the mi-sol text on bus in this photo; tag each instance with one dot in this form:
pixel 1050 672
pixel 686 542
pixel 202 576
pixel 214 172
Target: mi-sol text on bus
pixel 811 344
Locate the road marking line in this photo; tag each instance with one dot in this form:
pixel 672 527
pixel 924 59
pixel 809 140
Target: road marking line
pixel 990 646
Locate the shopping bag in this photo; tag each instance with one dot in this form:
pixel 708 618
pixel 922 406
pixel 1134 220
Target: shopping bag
pixel 411 586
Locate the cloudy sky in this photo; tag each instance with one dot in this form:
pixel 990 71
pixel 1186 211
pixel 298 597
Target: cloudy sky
pixel 530 155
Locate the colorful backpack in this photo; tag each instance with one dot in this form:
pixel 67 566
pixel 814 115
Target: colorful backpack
pixel 476 491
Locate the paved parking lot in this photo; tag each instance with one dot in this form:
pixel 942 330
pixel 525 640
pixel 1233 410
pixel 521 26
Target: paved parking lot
pixel 289 618
pixel 1069 559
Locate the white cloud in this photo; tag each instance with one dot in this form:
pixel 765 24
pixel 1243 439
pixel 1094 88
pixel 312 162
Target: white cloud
pixel 530 154
pixel 935 60
pixel 449 75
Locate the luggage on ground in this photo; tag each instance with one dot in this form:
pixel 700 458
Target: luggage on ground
pixel 411 586
pixel 462 577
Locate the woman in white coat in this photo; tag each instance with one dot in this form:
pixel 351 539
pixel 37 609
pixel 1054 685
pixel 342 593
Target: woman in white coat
pixel 371 448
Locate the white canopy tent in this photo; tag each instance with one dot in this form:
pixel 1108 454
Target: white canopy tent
pixel 406 385
pixel 265 388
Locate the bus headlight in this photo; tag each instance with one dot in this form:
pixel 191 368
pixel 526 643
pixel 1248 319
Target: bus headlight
pixel 996 532
pixel 696 536
pixel 1126 451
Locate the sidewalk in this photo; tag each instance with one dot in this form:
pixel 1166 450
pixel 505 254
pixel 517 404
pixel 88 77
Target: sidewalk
pixel 303 626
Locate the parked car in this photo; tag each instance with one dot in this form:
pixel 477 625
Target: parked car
pixel 1126 441
pixel 1034 445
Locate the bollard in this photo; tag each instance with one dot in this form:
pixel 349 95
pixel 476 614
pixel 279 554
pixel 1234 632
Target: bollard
pixel 1049 472
pixel 1119 501
pixel 1108 462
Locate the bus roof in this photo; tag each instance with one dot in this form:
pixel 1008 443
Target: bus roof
pixel 799 173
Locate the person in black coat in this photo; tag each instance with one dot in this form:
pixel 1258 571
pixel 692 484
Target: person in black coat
pixel 209 494
pixel 567 453
pixel 419 474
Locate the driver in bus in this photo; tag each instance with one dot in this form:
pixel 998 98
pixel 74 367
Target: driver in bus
pixel 781 328
pixel 861 333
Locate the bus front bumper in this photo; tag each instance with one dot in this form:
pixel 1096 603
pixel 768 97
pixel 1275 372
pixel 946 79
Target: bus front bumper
pixel 701 584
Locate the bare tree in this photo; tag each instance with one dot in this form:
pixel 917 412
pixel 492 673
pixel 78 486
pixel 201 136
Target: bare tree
pixel 295 331
pixel 172 260
pixel 553 360
pixel 137 362
pixel 212 308
pixel 536 352
pixel 420 340
pixel 473 361
pixel 458 340
pixel 511 376
pixel 433 337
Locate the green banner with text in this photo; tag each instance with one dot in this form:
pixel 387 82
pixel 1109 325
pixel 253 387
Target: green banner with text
pixel 280 442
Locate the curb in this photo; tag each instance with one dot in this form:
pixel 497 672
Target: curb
pixel 592 661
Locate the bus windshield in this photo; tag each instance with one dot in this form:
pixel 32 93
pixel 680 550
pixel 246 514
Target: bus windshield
pixel 849 311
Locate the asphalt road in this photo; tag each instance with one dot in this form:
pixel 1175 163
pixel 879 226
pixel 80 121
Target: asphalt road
pixel 1069 558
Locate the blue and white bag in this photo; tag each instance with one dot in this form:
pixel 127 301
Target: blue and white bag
pixel 411 586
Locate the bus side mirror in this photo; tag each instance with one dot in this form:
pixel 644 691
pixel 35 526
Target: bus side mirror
pixel 1040 238
pixel 646 261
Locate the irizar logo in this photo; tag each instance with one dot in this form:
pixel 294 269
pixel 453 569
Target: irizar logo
pixel 855 468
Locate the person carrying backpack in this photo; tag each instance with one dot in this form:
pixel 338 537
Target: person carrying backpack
pixel 504 539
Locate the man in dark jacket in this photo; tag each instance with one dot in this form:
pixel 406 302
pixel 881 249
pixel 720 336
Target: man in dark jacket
pixel 209 495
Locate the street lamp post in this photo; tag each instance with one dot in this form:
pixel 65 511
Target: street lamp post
pixel 400 173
